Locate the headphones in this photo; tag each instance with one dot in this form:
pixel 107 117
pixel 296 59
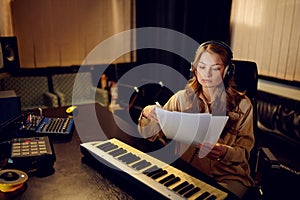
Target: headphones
pixel 229 69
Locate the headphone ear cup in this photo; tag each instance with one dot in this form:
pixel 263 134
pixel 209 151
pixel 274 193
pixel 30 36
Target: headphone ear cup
pixel 228 72
pixel 225 71
pixel 192 71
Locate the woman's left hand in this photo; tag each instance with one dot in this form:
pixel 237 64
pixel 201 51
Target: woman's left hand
pixel 217 152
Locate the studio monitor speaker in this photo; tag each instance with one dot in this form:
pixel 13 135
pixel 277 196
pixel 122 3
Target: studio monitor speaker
pixel 9 56
pixel 10 106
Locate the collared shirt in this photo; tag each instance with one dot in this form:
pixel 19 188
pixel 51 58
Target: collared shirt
pixel 238 136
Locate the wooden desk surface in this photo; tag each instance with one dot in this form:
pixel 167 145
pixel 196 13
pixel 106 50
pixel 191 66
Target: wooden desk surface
pixel 72 179
pixel 75 177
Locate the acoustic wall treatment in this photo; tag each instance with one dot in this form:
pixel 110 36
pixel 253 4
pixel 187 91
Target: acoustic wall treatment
pixel 62 33
pixel 268 32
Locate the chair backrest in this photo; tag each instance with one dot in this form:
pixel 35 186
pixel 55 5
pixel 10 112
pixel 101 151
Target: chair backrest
pixel 29 88
pixel 246 79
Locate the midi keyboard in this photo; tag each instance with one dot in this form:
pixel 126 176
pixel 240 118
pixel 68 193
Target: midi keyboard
pixel 50 126
pixel 165 179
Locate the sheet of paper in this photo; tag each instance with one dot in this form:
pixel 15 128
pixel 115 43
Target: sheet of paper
pixel 192 128
pixel 216 126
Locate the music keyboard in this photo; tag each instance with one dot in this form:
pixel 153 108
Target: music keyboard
pixel 161 177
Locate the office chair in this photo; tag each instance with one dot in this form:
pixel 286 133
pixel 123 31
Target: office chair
pixel 246 79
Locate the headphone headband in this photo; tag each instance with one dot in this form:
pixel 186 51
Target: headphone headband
pixel 220 43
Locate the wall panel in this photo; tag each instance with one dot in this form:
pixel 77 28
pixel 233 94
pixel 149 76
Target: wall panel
pixel 268 32
pixel 62 33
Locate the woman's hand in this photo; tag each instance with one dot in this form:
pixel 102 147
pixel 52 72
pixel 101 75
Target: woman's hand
pixel 217 152
pixel 149 112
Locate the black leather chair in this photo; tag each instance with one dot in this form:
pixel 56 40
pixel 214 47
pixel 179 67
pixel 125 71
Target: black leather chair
pixel 246 79
pixel 274 160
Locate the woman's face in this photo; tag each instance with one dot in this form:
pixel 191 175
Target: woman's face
pixel 210 70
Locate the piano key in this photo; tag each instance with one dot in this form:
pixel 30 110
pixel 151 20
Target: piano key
pixel 191 192
pixel 124 157
pixel 171 176
pixel 172 181
pixel 211 197
pixel 107 147
pixel 159 174
pixel 129 158
pixel 203 196
pixel 151 167
pixel 104 144
pixel 117 152
pixel 186 189
pixel 132 159
pixel 141 165
pixel 150 174
pixel 180 186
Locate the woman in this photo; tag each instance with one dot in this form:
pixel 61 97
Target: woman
pixel 211 90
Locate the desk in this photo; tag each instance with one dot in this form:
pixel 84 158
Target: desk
pixel 77 178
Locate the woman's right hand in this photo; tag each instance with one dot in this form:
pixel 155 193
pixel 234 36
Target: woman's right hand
pixel 149 112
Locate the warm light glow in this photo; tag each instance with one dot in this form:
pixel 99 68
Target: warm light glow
pixel 249 12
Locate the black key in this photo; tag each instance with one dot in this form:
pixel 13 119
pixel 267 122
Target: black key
pixel 132 159
pixel 141 165
pixel 191 192
pixel 151 169
pixel 138 164
pixel 159 174
pixel 147 164
pixel 111 147
pixel 171 176
pixel 128 158
pixel 186 189
pixel 211 197
pixel 107 147
pixel 150 174
pixel 203 196
pixel 117 152
pixel 172 181
pixel 180 186
pixel 124 157
pixel 104 145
